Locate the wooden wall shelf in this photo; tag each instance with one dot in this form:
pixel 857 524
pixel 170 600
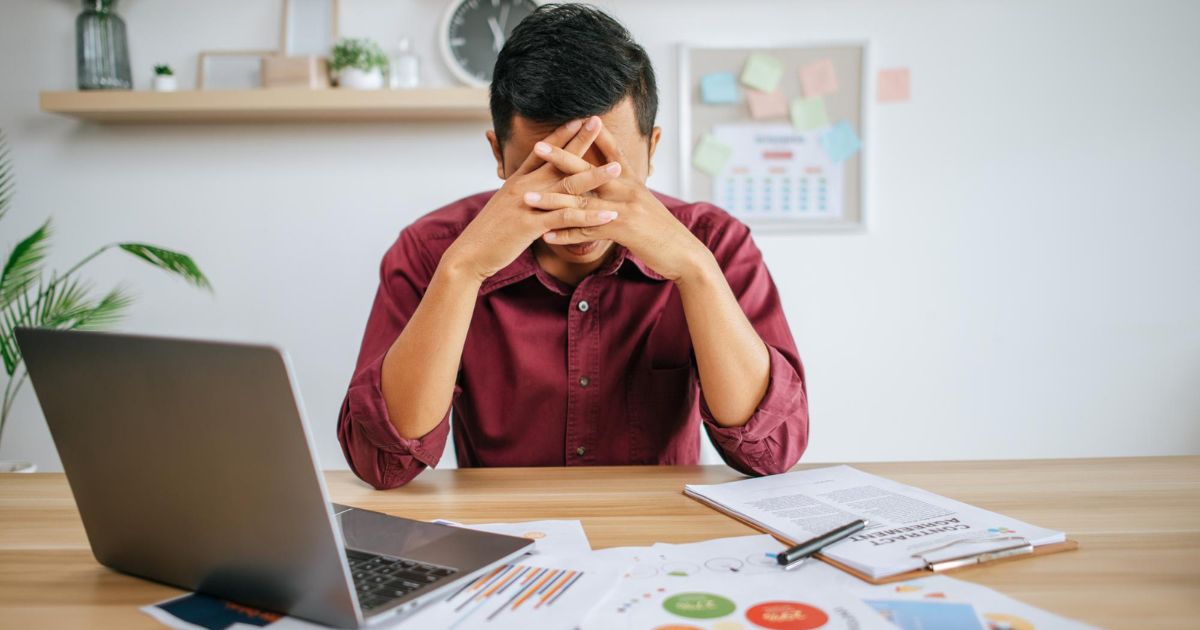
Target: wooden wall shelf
pixel 271 105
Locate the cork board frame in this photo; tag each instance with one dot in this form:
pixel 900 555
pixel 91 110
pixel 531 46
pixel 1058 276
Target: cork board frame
pixel 851 59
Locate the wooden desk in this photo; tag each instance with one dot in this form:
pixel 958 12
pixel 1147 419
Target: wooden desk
pixel 1138 521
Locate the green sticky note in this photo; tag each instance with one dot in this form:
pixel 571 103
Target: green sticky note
pixel 809 113
pixel 762 72
pixel 711 155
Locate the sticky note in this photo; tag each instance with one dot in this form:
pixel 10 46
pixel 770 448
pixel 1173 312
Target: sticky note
pixel 809 113
pixel 762 72
pixel 840 142
pixel 719 88
pixel 819 78
pixel 766 104
pixel 711 155
pixel 892 85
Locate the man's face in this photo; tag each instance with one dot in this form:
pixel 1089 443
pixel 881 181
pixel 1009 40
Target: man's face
pixel 621 122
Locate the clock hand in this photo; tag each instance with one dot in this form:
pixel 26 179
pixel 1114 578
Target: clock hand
pixel 504 17
pixel 497 33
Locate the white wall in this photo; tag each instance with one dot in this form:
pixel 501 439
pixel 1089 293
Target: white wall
pixel 1027 289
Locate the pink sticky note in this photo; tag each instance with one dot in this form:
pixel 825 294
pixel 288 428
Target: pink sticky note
pixel 764 105
pixel 819 78
pixel 892 86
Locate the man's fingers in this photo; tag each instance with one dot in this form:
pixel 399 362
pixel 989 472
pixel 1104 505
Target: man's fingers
pixel 570 218
pixel 557 138
pixel 609 147
pixel 575 235
pixel 588 180
pixel 585 137
pixel 561 159
pixel 555 201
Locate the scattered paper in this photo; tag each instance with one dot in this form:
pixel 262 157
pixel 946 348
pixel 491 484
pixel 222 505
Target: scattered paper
pixel 777 172
pixel 819 78
pixel 711 155
pixel 916 603
pixel 809 113
pixel 560 538
pixel 728 581
pixel 892 86
pixel 766 105
pixel 762 72
pixel 840 142
pixel 540 591
pixel 719 88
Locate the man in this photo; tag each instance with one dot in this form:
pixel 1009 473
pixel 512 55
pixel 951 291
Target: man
pixel 573 317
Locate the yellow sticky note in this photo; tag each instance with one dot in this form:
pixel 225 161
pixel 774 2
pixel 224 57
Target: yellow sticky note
pixel 762 72
pixel 809 113
pixel 711 155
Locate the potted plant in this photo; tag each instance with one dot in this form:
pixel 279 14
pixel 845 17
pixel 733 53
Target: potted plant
pixel 358 63
pixel 164 78
pixel 32 297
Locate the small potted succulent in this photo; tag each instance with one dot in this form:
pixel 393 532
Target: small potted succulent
pixel 164 78
pixel 359 64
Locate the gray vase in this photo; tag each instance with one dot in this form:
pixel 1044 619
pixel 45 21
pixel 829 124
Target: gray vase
pixel 101 48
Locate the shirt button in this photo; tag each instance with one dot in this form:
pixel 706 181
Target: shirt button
pixel 583 305
pixel 580 451
pixel 583 381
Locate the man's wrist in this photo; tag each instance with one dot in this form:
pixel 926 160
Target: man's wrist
pixel 457 272
pixel 699 268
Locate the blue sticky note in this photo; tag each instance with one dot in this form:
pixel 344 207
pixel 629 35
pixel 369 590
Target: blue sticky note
pixel 719 88
pixel 840 142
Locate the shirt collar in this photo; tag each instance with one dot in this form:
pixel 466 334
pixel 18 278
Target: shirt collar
pixel 526 265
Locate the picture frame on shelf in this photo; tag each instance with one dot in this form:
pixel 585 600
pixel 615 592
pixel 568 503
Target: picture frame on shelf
pixel 230 69
pixel 308 27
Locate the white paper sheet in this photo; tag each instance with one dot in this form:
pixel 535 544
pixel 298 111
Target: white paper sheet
pixel 777 172
pixel 559 537
pixel 539 591
pixel 905 522
pixel 724 583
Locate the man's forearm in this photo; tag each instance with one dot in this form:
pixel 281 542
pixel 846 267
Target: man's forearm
pixel 421 367
pixel 734 364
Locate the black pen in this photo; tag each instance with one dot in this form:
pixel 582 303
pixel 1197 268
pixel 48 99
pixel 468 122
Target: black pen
pixel 794 556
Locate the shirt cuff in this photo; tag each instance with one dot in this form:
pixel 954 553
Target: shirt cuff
pixel 778 405
pixel 368 412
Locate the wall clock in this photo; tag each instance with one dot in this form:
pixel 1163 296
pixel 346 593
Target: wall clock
pixel 474 31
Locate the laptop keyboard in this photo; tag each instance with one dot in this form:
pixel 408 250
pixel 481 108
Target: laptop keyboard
pixel 380 580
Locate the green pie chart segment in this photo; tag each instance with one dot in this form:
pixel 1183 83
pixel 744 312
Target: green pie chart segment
pixel 699 605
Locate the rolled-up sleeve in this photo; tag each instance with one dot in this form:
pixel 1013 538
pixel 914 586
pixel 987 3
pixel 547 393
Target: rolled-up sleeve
pixel 775 436
pixel 373 448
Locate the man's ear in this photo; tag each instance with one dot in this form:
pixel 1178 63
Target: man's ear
pixel 655 136
pixel 497 152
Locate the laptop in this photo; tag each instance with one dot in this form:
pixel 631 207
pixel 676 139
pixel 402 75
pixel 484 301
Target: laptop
pixel 192 465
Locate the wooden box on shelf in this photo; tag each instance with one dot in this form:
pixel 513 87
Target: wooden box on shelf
pixel 304 71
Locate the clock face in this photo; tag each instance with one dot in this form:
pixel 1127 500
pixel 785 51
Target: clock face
pixel 474 31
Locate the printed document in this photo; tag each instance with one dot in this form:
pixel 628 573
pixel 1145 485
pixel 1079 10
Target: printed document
pixel 908 527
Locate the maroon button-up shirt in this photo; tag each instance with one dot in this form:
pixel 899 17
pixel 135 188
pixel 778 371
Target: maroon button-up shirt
pixel 595 374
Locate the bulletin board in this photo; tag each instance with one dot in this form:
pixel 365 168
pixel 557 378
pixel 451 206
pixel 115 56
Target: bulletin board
pixel 778 174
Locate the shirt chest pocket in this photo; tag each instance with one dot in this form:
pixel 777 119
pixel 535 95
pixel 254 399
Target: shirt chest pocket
pixel 669 344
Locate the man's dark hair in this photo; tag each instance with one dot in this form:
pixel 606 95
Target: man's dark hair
pixel 568 61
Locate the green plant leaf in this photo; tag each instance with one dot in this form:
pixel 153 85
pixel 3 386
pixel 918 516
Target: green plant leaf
pixel 169 260
pixel 6 176
pixel 109 310
pixel 24 263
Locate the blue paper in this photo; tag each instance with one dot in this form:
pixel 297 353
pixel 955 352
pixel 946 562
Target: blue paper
pixel 840 142
pixel 719 88
pixel 924 615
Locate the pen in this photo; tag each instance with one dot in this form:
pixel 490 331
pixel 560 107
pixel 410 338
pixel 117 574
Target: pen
pixel 798 554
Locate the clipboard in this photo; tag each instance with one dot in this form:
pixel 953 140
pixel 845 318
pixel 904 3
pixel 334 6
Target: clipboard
pixel 1016 551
